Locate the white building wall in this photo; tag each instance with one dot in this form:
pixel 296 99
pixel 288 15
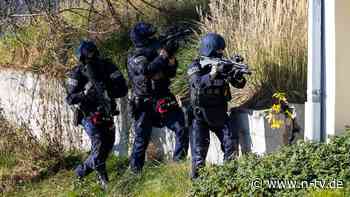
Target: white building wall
pixel 342 71
pixel 336 31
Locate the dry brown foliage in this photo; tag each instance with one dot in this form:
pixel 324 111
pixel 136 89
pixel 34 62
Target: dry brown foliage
pixel 272 36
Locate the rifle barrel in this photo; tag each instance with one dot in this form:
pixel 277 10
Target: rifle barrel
pixel 176 35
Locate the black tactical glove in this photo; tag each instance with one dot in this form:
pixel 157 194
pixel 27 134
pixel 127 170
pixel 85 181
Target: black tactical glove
pixel 171 47
pixel 237 74
pixel 224 69
pixel 238 58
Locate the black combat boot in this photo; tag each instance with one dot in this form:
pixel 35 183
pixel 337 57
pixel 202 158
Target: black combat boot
pixel 102 179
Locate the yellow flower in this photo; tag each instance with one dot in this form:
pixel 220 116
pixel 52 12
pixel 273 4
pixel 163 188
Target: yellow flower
pixel 276 108
pixel 276 124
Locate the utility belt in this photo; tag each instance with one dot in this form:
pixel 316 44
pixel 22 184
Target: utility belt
pixel 97 118
pixel 100 119
pixel 210 97
pixel 138 104
pixel 211 91
pixel 160 105
pixel 166 104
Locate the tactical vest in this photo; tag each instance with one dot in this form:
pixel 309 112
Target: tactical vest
pixel 218 94
pixel 210 103
pixel 102 100
pixel 141 85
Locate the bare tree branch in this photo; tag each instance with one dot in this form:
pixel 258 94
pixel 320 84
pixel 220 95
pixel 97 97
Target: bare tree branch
pixel 27 15
pixel 91 31
pixel 153 6
pixel 134 6
pixel 82 9
pixel 29 8
pixel 114 13
pixel 60 12
pixel 90 11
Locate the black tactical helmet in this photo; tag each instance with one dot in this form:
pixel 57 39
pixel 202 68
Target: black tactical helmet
pixel 210 43
pixel 87 49
pixel 141 33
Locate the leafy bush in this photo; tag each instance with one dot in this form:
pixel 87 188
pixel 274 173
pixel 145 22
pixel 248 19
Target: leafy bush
pixel 305 161
pixel 185 56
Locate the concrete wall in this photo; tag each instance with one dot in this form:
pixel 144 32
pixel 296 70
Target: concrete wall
pixel 342 66
pixel 38 103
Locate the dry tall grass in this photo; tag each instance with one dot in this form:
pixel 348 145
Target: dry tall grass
pixel 272 36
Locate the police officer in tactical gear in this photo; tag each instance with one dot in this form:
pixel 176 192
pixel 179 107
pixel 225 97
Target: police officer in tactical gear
pixel 93 86
pixel 210 92
pixel 151 101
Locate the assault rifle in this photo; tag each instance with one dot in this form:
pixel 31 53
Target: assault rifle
pixel 96 89
pixel 93 91
pixel 171 38
pixel 232 64
pixel 101 98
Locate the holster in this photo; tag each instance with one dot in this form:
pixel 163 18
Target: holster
pixel 166 104
pixel 99 119
pixel 138 104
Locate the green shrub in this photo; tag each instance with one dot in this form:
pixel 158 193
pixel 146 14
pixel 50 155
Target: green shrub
pixel 184 56
pixel 330 193
pixel 304 161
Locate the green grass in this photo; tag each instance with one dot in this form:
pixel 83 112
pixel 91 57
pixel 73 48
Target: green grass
pixel 29 169
pixel 304 161
pixel 330 193
pixel 7 161
pixel 157 180
pixel 163 180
